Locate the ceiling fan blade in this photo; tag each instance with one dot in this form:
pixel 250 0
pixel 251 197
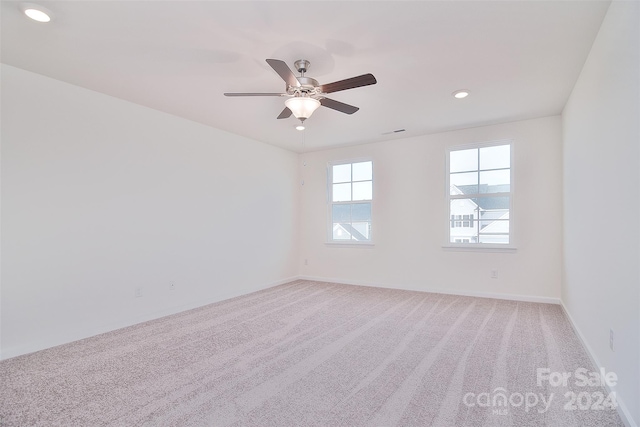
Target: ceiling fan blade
pixel 338 106
pixel 286 113
pixel 255 94
pixel 284 71
pixel 353 82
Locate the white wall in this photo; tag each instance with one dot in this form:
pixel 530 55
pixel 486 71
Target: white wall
pixel 410 216
pixel 601 286
pixel 101 196
pixel 1 70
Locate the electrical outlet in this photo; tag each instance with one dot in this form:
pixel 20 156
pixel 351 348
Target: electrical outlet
pixel 138 292
pixel 172 286
pixel 611 339
pixel 494 273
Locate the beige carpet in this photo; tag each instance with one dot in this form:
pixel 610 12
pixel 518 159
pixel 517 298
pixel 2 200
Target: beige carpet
pixel 314 354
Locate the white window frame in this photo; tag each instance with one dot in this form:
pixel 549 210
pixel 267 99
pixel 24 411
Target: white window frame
pixel 330 240
pixel 488 247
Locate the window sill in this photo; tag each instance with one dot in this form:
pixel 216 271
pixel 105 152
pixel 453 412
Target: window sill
pixel 478 248
pixel 367 245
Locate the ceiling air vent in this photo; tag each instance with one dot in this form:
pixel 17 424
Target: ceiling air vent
pixel 394 131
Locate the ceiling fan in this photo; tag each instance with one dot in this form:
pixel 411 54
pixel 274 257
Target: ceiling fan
pixel 305 94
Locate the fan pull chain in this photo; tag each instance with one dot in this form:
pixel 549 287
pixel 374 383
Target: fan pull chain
pixel 304 161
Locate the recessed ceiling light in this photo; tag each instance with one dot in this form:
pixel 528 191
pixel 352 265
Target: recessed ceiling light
pixel 459 94
pixel 36 12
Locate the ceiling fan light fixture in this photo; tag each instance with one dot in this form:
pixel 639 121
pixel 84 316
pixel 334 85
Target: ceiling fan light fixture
pixel 302 107
pixel 300 127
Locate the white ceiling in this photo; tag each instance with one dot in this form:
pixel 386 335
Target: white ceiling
pixel 519 59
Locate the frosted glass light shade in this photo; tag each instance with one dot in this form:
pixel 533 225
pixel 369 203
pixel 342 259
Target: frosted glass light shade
pixel 302 107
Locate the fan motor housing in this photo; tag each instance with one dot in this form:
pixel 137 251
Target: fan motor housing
pixel 308 86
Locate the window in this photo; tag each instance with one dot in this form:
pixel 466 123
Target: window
pixel 351 195
pixel 480 194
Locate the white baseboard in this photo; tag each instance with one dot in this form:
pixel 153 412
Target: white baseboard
pixel 622 408
pixel 510 297
pixel 31 347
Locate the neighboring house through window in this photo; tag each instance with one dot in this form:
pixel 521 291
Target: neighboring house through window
pixel 480 194
pixel 351 196
pixel 461 221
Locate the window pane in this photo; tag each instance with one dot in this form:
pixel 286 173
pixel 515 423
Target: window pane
pixel 459 229
pixel 458 239
pixel 496 236
pixel 495 157
pixel 362 171
pixel 463 160
pixel 342 192
pixel 494 219
pixel 341 213
pixel 504 239
pixel 464 183
pixel 361 212
pixel 342 173
pixel 361 231
pixel 492 206
pixel 362 190
pixel 340 233
pixel 462 233
pixel 459 207
pixel 495 181
pixel 495 226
